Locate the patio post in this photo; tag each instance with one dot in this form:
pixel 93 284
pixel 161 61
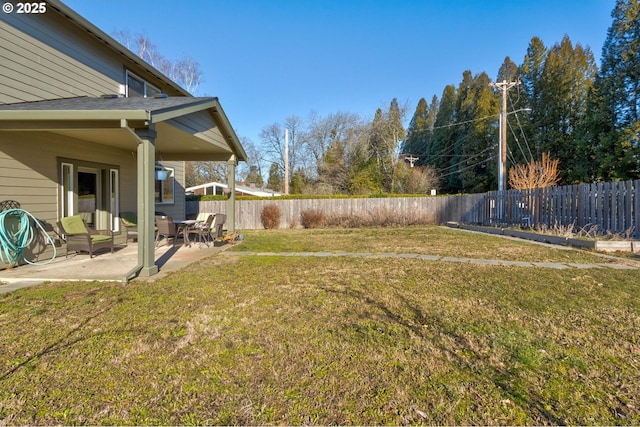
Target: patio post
pixel 146 200
pixel 231 202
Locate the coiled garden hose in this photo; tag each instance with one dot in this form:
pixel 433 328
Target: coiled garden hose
pixel 17 234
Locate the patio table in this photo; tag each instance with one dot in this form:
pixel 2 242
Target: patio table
pixel 184 225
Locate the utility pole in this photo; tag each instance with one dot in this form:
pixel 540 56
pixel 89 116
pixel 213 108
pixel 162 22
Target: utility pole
pixel 286 161
pixel 411 159
pixel 504 86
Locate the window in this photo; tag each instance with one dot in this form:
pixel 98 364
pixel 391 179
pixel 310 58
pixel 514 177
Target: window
pixel 164 185
pixel 140 88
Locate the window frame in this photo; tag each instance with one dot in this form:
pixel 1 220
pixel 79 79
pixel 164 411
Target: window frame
pixel 147 87
pixel 160 189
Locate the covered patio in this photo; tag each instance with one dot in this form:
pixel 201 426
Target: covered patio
pixel 105 266
pixel 150 129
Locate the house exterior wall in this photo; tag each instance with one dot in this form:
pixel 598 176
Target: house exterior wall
pixel 47 56
pixel 30 170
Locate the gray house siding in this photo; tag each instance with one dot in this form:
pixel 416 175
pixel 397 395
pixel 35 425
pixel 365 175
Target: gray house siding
pixel 176 209
pixel 51 58
pixel 47 57
pixel 30 167
pixel 33 70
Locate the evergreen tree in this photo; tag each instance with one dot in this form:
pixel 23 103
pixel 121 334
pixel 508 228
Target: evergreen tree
pixel 332 171
pixel 274 182
pixel 387 133
pixel 617 96
pixel 477 134
pixel 592 136
pixel 567 76
pixel 418 131
pixel 462 132
pixel 432 114
pixel 508 71
pixel 254 177
pixel 443 138
pixel 531 77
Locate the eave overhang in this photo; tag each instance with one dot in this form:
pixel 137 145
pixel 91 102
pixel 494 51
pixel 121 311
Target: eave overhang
pixel 188 128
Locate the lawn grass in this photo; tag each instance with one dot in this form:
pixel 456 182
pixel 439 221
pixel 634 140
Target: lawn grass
pixel 340 340
pixel 442 241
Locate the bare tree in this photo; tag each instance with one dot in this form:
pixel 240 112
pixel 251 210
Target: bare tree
pixel 255 163
pixel 273 144
pixel 535 174
pixel 186 71
pixel 325 132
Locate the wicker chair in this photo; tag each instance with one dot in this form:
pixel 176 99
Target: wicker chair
pixel 81 238
pixel 167 229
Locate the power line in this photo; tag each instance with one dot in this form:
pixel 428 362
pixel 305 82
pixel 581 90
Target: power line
pixel 463 123
pixel 487 160
pixel 524 137
pixel 466 159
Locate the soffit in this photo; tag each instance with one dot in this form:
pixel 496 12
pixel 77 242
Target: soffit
pixel 188 128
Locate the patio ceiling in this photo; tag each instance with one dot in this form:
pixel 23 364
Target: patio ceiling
pixel 188 128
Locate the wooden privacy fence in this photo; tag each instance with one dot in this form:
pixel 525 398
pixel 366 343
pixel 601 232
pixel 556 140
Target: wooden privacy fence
pixel 424 210
pixel 610 207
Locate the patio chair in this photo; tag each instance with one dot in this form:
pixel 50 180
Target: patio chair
pixel 129 224
pixel 202 230
pixel 218 222
pixel 203 216
pixel 81 238
pixel 167 229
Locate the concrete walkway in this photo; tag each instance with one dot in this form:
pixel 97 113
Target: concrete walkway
pixel 112 267
pixel 623 265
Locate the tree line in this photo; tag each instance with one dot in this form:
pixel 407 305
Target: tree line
pixel 583 118
pixel 341 153
pixel 562 110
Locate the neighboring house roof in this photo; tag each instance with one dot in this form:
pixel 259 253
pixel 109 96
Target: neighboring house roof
pixel 200 124
pixel 251 191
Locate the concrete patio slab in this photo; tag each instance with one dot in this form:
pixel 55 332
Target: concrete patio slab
pixel 105 266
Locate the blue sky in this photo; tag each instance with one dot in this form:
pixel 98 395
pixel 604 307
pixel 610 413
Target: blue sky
pixel 269 59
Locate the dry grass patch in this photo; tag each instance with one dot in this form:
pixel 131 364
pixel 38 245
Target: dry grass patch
pixel 274 340
pixel 426 240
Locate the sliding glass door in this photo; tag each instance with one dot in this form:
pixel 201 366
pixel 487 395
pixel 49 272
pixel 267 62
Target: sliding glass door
pixel 91 190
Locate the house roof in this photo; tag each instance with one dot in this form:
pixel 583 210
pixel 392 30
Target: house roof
pixel 199 124
pixel 106 103
pixel 252 191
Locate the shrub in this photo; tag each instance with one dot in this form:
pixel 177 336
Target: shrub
pixel 270 216
pixel 312 218
pixel 379 218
